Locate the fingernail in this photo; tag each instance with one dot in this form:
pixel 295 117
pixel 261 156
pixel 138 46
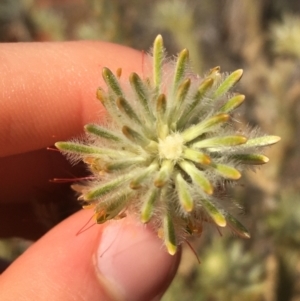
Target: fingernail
pixel 132 261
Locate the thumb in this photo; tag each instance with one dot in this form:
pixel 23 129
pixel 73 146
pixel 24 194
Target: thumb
pixel 120 260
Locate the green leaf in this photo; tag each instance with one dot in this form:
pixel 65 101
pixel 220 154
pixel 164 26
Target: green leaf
pixel 158 56
pixel 110 208
pixel 184 194
pixel 112 82
pixel 220 141
pixel 201 92
pixel 232 103
pixel 122 164
pixel 105 188
pixel 164 173
pixel 236 226
pixel 144 175
pixel 228 83
pixel 180 68
pixel 251 159
pixel 169 234
pixel 148 205
pixel 196 156
pixel 204 127
pixel 180 97
pixel 226 171
pixel 141 94
pixel 161 106
pixel 102 132
pixel 127 109
pixel 82 149
pixel 109 103
pixel 262 141
pixel 134 136
pixel 214 213
pixel 197 176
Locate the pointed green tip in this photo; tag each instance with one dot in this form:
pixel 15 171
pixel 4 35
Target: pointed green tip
pixel 218 218
pixel 237 227
pixel 158 44
pixel 247 235
pixel 275 139
pixel 145 217
pixel 228 172
pixel 265 159
pixel 221 222
pixel 105 71
pixel 263 141
pixel 188 207
pixel 238 73
pixel 206 160
pixel 87 197
pixel 158 39
pixel 133 77
pixel 106 74
pixel 252 159
pixel 208 188
pixel 236 176
pixel 268 140
pixel 184 53
pixel 159 183
pixel 216 215
pixel 59 145
pixel 171 248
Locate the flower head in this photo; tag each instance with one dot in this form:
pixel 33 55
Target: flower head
pixel 168 145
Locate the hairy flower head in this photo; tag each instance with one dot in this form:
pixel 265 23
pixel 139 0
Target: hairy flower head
pixel 169 144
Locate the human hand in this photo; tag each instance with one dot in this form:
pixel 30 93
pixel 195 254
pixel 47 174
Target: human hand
pixel 47 95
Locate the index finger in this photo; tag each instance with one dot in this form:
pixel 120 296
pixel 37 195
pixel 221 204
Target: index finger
pixel 48 89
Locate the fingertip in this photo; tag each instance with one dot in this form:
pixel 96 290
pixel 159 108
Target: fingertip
pixel 51 88
pixel 121 260
pixel 58 266
pixel 133 259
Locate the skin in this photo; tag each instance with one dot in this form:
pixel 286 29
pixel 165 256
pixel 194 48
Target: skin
pixel 47 94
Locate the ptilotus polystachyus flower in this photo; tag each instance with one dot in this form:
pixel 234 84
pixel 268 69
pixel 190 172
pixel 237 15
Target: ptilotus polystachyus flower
pixel 170 142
